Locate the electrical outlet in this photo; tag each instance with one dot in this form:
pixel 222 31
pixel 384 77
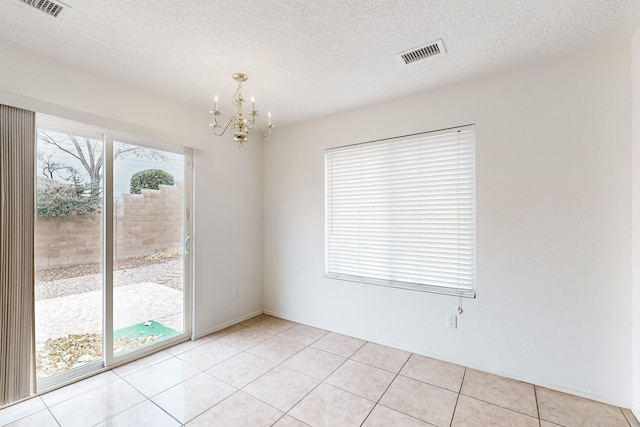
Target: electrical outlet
pixel 237 293
pixel 452 321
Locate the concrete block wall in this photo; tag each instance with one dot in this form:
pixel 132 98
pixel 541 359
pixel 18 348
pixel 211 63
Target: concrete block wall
pixel 144 224
pixel 67 240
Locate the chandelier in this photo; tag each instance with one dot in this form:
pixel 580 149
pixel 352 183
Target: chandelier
pixel 241 124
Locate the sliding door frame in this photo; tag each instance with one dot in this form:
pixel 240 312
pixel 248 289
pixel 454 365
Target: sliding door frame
pixel 108 242
pixel 109 360
pixel 62 125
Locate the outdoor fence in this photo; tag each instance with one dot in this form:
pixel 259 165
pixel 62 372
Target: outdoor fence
pixel 144 224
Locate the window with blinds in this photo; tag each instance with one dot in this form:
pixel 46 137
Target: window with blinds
pixel 401 212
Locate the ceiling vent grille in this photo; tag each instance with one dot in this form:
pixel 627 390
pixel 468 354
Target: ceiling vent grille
pixel 46 6
pixel 423 52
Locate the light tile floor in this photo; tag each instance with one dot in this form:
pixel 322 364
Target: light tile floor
pixel 271 372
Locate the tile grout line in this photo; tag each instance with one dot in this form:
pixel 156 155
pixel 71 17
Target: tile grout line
pixel 265 373
pixel 535 394
pixel 184 342
pixel 278 335
pixel 149 398
pixel 496 405
pixel 46 408
pixel 123 378
pixel 117 413
pixel 246 351
pixel 126 409
pixel 74 383
pixel 307 345
pixel 145 367
pixel 455 407
pixel 625 417
pixel 280 364
pixel 213 406
pixel 317 385
pixel 377 402
pixel 53 416
pixel 323 380
pixel 432 385
pixel 260 376
pixel 176 356
pixel 96 388
pixel 163 410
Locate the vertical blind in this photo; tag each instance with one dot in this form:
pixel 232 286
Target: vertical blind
pixel 17 145
pixel 401 212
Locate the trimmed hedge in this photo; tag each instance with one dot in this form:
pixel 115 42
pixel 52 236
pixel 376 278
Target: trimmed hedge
pixel 151 179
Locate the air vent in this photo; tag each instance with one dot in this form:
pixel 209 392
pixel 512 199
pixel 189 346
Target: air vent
pixel 46 6
pixel 419 53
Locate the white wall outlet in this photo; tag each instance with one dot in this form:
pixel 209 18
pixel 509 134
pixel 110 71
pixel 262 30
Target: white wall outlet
pixel 452 321
pixel 237 293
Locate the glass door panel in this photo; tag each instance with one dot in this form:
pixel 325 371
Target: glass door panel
pixel 68 252
pixel 104 289
pixel 148 229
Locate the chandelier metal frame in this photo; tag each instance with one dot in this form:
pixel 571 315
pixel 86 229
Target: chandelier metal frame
pixel 242 124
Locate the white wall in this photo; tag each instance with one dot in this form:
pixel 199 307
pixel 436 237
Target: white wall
pixel 46 85
pixel 635 120
pixel 228 237
pixel 227 188
pixel 553 227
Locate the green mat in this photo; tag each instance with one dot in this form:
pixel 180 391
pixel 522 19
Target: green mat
pixel 144 329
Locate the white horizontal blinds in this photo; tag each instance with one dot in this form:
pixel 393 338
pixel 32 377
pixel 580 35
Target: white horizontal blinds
pixel 401 212
pixel 17 172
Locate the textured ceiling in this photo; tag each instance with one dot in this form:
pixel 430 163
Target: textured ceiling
pixel 308 58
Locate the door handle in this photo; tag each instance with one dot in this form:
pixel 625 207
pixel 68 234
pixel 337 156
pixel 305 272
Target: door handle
pixel 187 248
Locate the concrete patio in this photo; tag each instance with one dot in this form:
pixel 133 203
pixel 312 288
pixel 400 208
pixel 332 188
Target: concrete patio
pixel 74 323
pixel 82 313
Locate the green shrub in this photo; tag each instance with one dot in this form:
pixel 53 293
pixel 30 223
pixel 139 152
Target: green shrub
pixel 57 199
pixel 150 178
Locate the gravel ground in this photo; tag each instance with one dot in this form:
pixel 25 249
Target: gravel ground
pixel 49 283
pixel 67 272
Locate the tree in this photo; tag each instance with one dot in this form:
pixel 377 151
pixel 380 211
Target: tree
pixel 73 195
pixel 90 154
pixel 150 178
pixel 49 166
pixel 54 198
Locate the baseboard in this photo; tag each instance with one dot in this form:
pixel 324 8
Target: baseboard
pixel 227 324
pixel 279 315
pixel 635 409
pixel 462 362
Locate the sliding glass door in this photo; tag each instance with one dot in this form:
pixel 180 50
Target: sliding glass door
pixel 69 250
pixel 148 281
pixel 112 270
